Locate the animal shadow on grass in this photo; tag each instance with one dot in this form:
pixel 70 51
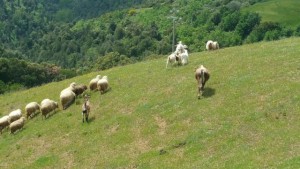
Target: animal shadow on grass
pixel 208 92
pixel 90 120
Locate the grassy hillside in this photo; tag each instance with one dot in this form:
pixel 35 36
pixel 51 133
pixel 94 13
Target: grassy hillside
pixel 151 118
pixel 286 12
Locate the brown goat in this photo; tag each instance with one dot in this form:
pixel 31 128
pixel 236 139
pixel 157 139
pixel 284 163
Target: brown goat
pixel 86 107
pixel 202 75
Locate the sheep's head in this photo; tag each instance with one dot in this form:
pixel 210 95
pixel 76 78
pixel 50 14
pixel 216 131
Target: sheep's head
pixel 72 85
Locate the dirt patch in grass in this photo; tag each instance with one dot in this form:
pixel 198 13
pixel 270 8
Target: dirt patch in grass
pixel 162 124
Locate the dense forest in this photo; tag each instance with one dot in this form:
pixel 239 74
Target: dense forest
pixel 78 36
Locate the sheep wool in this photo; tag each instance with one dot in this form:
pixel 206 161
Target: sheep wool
pixel 16 125
pixel 4 122
pixel 15 115
pixel 31 108
pixel 48 106
pixel 93 82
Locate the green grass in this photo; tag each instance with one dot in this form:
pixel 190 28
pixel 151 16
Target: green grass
pixel 283 11
pixel 151 118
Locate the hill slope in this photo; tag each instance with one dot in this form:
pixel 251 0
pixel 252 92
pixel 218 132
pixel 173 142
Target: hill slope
pixel 249 116
pixel 285 12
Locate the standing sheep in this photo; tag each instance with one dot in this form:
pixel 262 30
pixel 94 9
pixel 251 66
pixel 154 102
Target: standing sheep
pixel 202 75
pixel 184 56
pixel 93 82
pixel 212 45
pixel 4 122
pixel 67 96
pixel 14 115
pixel 16 125
pixel 31 108
pixel 48 106
pixel 171 59
pixel 102 84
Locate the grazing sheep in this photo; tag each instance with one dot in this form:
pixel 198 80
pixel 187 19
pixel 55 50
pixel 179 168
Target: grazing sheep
pixel 86 107
pixel 14 115
pixel 102 84
pixel 48 106
pixel 67 96
pixel 4 122
pixel 93 82
pixel 31 108
pixel 16 125
pixel 202 75
pixel 79 89
pixel 212 45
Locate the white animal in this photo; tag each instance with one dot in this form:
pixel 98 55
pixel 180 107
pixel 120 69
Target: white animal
pixel 67 96
pixel 4 122
pixel 179 47
pixel 16 125
pixel 93 82
pixel 173 58
pixel 184 57
pixel 102 84
pixel 212 45
pixel 31 108
pixel 48 106
pixel 14 115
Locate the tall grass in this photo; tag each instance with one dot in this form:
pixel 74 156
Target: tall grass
pixel 151 117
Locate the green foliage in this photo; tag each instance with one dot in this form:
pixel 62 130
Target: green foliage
pixel 112 59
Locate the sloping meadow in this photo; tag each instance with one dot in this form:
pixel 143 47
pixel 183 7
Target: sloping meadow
pixel 247 117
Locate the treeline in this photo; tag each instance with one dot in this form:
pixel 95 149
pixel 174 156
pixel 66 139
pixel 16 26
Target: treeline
pixel 17 74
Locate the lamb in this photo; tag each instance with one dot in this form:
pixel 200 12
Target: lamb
pixel 93 82
pixel 202 75
pixel 4 122
pixel 48 106
pixel 102 84
pixel 14 115
pixel 67 96
pixel 79 89
pixel 31 108
pixel 173 58
pixel 16 125
pixel 212 45
pixel 86 109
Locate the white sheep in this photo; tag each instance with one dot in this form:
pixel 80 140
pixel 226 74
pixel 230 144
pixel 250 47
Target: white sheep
pixel 4 122
pixel 14 115
pixel 173 58
pixel 102 84
pixel 67 96
pixel 179 47
pixel 184 57
pixel 48 106
pixel 93 82
pixel 212 45
pixel 32 108
pixel 16 125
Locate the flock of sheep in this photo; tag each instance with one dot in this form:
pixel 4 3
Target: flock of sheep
pixel 181 57
pixel 15 119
